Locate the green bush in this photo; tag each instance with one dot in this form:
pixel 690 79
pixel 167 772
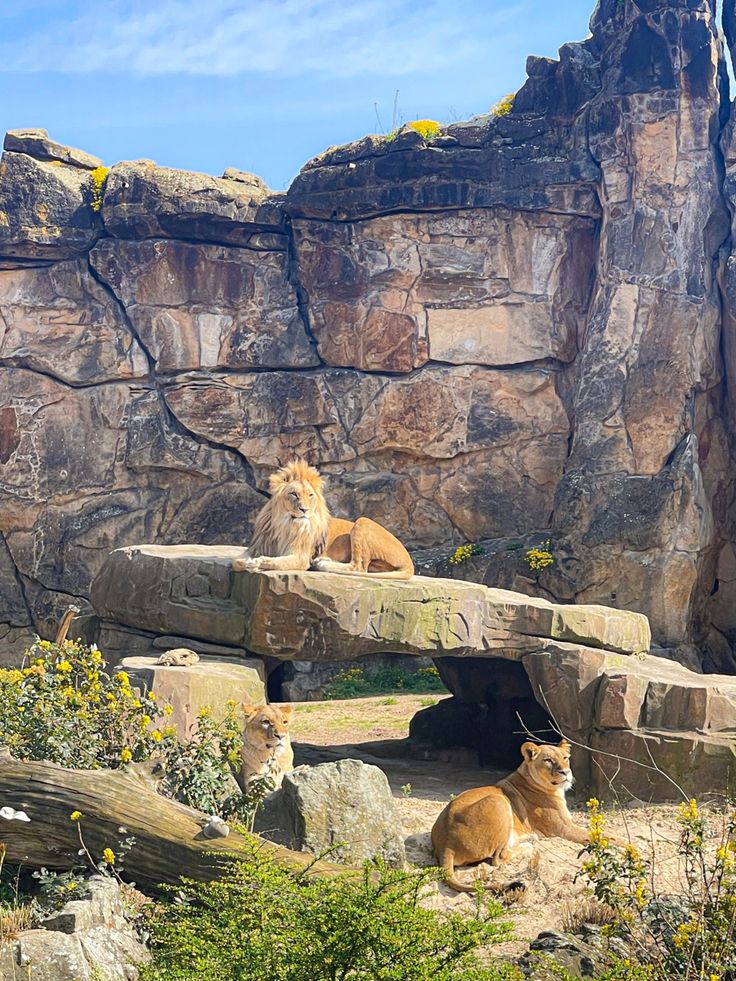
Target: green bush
pixel 357 682
pixel 64 707
pixel 263 922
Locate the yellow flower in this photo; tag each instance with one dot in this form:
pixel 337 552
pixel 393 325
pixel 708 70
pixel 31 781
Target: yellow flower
pixel 122 678
pixel 71 886
pixel 504 106
pixel 156 736
pixel 125 755
pixel 96 657
pixel 109 856
pixel 64 667
pixel 45 645
pixel 145 719
pixel 75 815
pixel 205 712
pixel 152 696
pixel 427 128
pixel 168 709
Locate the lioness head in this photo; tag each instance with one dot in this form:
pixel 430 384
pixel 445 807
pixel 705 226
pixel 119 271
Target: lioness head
pixel 267 724
pixel 548 766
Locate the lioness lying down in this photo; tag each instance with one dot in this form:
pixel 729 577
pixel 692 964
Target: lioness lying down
pixel 294 531
pixel 488 823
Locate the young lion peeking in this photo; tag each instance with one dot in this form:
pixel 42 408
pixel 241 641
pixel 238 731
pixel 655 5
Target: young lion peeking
pixel 294 531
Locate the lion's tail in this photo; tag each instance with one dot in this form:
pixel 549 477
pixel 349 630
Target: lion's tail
pixel 497 888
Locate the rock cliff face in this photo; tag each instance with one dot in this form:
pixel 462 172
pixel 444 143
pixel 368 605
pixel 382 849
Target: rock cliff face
pixel 522 330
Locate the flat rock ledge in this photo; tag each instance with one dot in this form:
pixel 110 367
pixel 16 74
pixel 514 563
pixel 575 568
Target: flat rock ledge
pixel 191 590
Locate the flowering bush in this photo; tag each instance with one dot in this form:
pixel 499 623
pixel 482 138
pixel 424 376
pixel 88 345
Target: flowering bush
pixel 687 937
pixel 540 556
pixel 98 178
pixel 64 707
pixel 463 552
pixel 504 106
pixel 428 129
pixel 261 921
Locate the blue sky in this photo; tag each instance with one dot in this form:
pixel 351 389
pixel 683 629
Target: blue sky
pixel 262 85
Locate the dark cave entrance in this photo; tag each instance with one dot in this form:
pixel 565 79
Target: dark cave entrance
pixel 493 711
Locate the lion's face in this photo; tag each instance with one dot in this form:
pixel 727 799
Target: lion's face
pixel 548 766
pixel 299 499
pixel 267 724
pixel 296 518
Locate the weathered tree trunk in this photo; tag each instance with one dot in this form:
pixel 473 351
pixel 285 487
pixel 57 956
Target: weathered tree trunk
pixel 116 804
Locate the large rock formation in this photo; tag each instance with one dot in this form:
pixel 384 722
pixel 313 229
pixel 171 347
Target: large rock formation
pixel 511 661
pixel 521 330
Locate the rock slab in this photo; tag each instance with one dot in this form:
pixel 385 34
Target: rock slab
pixel 192 590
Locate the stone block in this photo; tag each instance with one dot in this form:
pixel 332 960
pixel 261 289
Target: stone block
pixel 212 681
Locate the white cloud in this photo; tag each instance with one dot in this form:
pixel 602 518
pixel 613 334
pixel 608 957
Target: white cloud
pixel 335 38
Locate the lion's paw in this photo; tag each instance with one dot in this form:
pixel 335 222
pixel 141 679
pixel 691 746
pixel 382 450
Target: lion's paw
pixel 246 565
pixel 320 565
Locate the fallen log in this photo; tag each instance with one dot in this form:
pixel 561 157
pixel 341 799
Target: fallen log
pixel 117 804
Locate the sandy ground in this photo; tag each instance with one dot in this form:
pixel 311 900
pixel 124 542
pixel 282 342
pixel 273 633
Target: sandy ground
pixel 375 730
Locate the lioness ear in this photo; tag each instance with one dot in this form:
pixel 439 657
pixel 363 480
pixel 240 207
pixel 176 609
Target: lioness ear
pixel 249 710
pixel 286 710
pixel 564 745
pixel 530 750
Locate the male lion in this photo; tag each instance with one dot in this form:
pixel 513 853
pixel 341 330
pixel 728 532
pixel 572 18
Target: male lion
pixel 487 823
pixel 266 748
pixel 294 531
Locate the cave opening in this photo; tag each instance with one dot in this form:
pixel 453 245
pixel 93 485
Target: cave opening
pixel 493 711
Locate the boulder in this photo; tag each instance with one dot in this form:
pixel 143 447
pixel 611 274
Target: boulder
pixel 45 209
pixel 144 201
pixel 211 682
pixel 320 616
pixel 86 939
pixel 36 143
pixel 59 321
pixel 344 808
pixel 391 293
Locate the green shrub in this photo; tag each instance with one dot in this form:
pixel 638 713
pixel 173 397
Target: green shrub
pixel 64 707
pixel 263 922
pixel 357 682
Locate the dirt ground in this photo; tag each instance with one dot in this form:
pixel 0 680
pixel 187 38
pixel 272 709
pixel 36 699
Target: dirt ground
pixel 376 729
